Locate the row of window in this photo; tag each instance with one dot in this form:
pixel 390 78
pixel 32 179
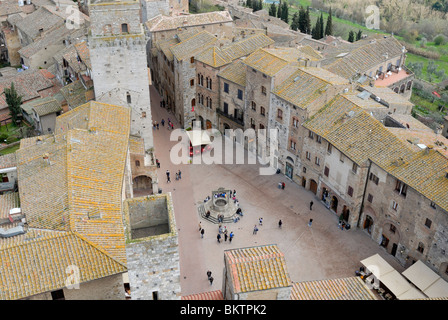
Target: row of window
pixel 208 81
pixel 208 101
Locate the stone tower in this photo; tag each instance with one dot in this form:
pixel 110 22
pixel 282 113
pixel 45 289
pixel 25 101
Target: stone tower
pixel 117 48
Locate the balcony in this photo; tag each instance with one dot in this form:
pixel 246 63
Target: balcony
pixel 238 120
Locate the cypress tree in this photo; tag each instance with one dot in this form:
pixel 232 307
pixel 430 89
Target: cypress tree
pixel 321 26
pixel 14 101
pixel 329 27
pixel 273 10
pixel 295 22
pixel 351 36
pixel 359 35
pixel 249 3
pixel 301 20
pixel 285 12
pixel 317 30
pixel 279 10
pixel 307 21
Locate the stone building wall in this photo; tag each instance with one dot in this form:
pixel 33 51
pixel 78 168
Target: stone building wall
pixel 201 109
pixel 409 223
pixel 119 63
pixel 153 261
pixel 108 288
pixel 234 103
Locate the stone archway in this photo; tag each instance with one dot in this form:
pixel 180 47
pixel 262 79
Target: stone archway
pixel 142 184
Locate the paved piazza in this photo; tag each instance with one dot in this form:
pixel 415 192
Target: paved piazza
pixel 321 251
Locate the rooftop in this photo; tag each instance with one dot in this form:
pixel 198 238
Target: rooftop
pixel 70 187
pixel 235 72
pixel 257 268
pixel 193 45
pixel 163 23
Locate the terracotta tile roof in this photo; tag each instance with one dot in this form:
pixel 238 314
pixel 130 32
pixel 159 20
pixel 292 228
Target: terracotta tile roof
pixel 246 46
pixel 271 61
pixel 361 138
pixel 257 268
pixel 388 95
pixel 214 57
pixel 39 19
pixel 185 34
pixel 165 46
pixel 40 265
pixel 74 93
pixel 306 85
pixel 52 37
pixel 364 56
pixel 424 171
pixel 70 186
pixel 8 201
pixel 47 107
pixel 193 45
pixel 211 295
pixel 83 51
pixel 352 288
pixel 425 137
pixel 8 160
pixel 235 72
pixel 355 133
pixel 161 23
pixel 28 83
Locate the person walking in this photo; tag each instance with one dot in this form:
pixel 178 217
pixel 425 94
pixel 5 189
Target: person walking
pixel 168 176
pixel 280 223
pixel 218 237
pixel 225 235
pixel 260 221
pixel 211 280
pixel 200 226
pixel 309 223
pixel 209 274
pixel 172 126
pixel 177 175
pixel 180 174
pixel 158 163
pixel 202 233
pixel 163 122
pixel 255 229
pixel 231 236
pixel 311 205
pixel 157 124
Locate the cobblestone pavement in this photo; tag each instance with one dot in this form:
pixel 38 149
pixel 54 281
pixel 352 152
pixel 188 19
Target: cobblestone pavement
pixel 322 251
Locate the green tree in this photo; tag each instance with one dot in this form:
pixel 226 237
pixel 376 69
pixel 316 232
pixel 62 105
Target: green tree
pixel 14 101
pixel 321 26
pixel 307 21
pixel 279 10
pixel 295 21
pixel 359 35
pixel 317 32
pixel 285 14
pixel 329 26
pixel 301 20
pixel 273 10
pixel 351 36
pixel 249 3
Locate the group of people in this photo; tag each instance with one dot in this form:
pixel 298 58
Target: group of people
pixel 170 125
pixel 224 232
pixel 178 175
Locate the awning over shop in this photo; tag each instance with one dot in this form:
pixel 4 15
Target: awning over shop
pixel 391 278
pixel 426 280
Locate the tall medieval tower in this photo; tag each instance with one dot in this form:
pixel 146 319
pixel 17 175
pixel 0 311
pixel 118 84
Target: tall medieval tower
pixel 117 48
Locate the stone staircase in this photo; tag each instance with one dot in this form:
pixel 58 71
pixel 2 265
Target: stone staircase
pixel 212 219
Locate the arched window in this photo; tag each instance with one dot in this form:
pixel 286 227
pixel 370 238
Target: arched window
pixel 193 104
pixel 199 79
pixel 210 85
pixel 128 97
pixel 137 163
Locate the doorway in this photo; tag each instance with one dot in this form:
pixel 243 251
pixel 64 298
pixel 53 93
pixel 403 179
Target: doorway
pixel 313 186
pixel 368 224
pixel 303 182
pixel 334 204
pixel 394 249
pixel 208 124
pixel 345 213
pixel 289 170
